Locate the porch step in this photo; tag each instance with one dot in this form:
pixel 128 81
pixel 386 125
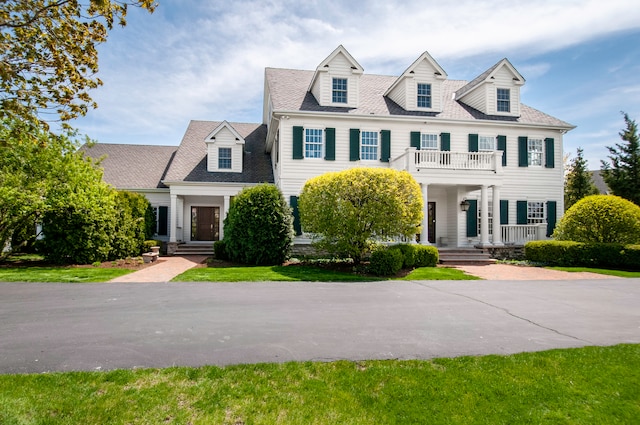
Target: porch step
pixel 465 257
pixel 194 249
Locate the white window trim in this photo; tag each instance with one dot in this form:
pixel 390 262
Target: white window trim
pixel 494 141
pixel 377 133
pixel 230 167
pixel 531 219
pixel 490 217
pixel 529 152
pixel 436 138
pixel 322 143
pixel 499 100
pixel 430 96
pixel 346 91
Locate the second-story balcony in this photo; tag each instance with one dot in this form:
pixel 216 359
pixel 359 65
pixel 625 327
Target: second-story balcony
pixel 415 160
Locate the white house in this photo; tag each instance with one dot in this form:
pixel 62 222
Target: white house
pixel 475 149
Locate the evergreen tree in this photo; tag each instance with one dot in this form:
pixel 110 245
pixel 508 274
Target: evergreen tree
pixel 578 183
pixel 623 174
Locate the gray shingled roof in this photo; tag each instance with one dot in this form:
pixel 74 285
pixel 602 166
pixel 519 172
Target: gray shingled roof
pixel 288 89
pixel 190 161
pixel 132 166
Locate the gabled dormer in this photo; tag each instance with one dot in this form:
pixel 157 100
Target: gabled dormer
pixel 224 149
pixel 336 81
pixel 419 88
pixel 494 92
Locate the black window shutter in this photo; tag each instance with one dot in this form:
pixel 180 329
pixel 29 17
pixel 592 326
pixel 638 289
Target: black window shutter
pixel 472 218
pixel 385 151
pixel 415 139
pixel 549 158
pixel 330 144
pixel 163 221
pixel 293 202
pixel 551 217
pixel 502 146
pixel 354 144
pixel 473 143
pixel 445 141
pixel 521 212
pixel 504 211
pixel 297 143
pixel 523 152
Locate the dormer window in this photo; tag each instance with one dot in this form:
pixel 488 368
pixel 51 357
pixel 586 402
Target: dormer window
pixel 504 100
pixel 224 158
pixel 339 93
pixel 424 95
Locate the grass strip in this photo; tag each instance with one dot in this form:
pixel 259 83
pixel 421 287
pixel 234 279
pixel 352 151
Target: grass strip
pixel 575 386
pixel 59 274
pixel 619 273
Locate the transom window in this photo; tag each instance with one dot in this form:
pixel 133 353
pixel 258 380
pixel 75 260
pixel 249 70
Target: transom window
pixel 504 100
pixel 534 148
pixel 486 143
pixel 535 213
pixel 312 143
pixel 429 141
pixel 224 158
pixel 424 95
pixel 369 145
pixel 339 93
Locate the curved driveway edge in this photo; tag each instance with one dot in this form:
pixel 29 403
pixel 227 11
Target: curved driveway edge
pixel 60 327
pixel 513 272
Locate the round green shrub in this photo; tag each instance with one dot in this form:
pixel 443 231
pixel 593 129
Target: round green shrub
pixel 408 254
pixel 259 227
pixel 385 262
pixel 600 219
pixel 220 250
pixel 425 256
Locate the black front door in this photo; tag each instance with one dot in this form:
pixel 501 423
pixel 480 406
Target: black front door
pixel 431 221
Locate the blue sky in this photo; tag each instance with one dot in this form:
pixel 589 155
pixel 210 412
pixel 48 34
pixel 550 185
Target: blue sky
pixel 205 60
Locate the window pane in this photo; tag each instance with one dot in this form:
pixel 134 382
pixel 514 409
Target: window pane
pixel 424 95
pixel 490 217
pixel 313 143
pixel 369 145
pixel 339 94
pixel 535 151
pixel 486 143
pixel 224 158
pixel 429 141
pixel 504 100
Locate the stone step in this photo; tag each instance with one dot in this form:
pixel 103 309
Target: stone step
pixel 452 257
pixel 194 249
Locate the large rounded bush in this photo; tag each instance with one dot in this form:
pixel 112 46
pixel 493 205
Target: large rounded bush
pixel 259 227
pixel 600 219
pixel 385 262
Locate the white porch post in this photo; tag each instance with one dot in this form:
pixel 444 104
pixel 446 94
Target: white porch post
pixel 424 235
pixel 484 216
pixel 497 229
pixel 225 211
pixel 174 218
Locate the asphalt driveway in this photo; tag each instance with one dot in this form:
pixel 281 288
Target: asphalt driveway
pixel 60 327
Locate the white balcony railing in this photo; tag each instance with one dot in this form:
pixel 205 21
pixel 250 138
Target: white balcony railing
pixel 519 234
pixel 413 160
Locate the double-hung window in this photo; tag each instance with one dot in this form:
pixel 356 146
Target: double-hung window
pixel 428 141
pixel 534 149
pixel 312 143
pixel 369 145
pixel 504 100
pixel 424 95
pixel 535 212
pixel 490 217
pixel 339 92
pixel 224 158
pixel 486 143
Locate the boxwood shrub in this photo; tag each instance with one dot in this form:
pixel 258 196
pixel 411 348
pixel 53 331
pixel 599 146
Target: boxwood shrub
pixel 408 254
pixel 425 256
pixel 580 254
pixel 385 262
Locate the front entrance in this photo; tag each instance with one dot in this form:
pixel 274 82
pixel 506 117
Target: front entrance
pixel 205 223
pixel 431 221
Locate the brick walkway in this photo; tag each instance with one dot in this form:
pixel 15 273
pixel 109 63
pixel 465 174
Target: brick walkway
pixel 164 270
pixel 512 272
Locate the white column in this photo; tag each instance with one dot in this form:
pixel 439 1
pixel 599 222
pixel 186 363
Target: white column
pixel 424 235
pixel 497 229
pixel 225 211
pixel 484 217
pixel 174 218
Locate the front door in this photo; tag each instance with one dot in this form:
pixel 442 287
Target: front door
pixel 431 221
pixel 205 223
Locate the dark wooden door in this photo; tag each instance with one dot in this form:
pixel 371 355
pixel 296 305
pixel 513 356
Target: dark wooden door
pixel 205 223
pixel 432 222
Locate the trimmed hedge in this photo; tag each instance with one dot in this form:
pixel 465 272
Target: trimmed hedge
pixel 580 254
pixel 220 250
pixel 425 256
pixel 408 254
pixel 388 261
pixel 385 262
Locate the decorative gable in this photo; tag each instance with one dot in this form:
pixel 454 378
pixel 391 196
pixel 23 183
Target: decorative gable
pixel 494 92
pixel 224 149
pixel 419 88
pixel 336 81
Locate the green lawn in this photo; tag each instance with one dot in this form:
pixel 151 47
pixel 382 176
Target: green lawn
pixel 304 273
pixel 593 385
pixel 59 274
pixel 619 273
